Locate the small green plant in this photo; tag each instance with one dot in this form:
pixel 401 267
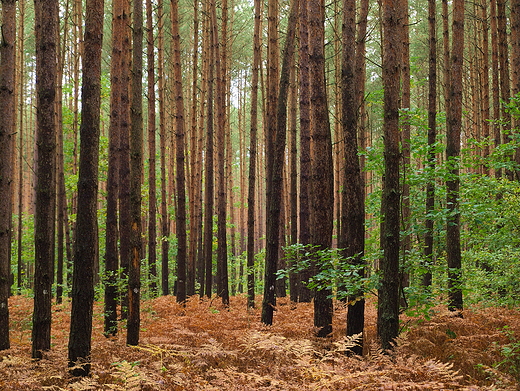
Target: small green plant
pixel 510 353
pixel 333 271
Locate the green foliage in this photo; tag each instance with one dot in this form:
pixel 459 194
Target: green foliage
pixel 510 353
pixel 334 272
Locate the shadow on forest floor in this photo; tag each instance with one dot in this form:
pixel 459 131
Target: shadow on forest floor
pixel 205 346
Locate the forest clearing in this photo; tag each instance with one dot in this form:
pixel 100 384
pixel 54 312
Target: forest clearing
pixel 205 346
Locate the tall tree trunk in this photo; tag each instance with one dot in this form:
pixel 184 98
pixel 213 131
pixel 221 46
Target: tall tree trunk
pixel 125 216
pixel 454 122
pixel 152 150
pixel 195 182
pixel 251 199
pixel 352 232
pixel 209 178
pixel 114 134
pixel 305 293
pixel 406 151
pixel 85 250
pixel 388 303
pixel 486 116
pixel 432 134
pixel 322 181
pixel 46 25
pixel 165 230
pixel 293 179
pixel 136 169
pixel 497 134
pixel 7 131
pixel 273 199
pixel 220 109
pixel 503 66
pixel 275 165
pixel 179 156
pixel 21 105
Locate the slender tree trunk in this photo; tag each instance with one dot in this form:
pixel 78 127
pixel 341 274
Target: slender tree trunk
pixel 209 178
pixel 165 230
pixel 293 187
pixel 114 134
pixel 179 153
pixel 352 232
pixel 251 199
pixel 275 182
pixel 7 132
pixel 406 152
pixel 503 66
pixel 195 183
pixel 200 160
pixel 454 122
pixel 46 25
pixel 322 181
pixel 152 150
pixel 388 303
pixel 85 250
pixel 125 217
pixel 305 294
pixel 220 66
pixel 432 134
pixel 21 124
pixel 486 116
pixel 136 166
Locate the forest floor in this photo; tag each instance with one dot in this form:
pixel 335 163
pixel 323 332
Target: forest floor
pixel 205 346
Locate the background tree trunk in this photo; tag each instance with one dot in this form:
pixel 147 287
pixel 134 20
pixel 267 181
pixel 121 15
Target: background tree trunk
pixel 7 131
pixel 152 150
pixel 251 199
pixel 179 157
pixel 432 134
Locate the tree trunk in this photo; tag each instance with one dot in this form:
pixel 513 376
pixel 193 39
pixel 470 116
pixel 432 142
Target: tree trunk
pixel 497 134
pixel 322 181
pixel 87 224
pixel 220 109
pixel 388 303
pixel 209 180
pixel 179 153
pixel 304 293
pixel 46 25
pixel 275 182
pixel 352 232
pixel 136 169
pixel 405 151
pixel 114 134
pixel 21 182
pixel 432 134
pixel 251 199
pixel 293 178
pixel 7 131
pixel 152 150
pixel 454 122
pixel 195 182
pixel 165 230
pixel 125 216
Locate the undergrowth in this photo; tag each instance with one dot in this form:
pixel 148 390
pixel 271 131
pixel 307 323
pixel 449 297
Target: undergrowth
pixel 206 347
